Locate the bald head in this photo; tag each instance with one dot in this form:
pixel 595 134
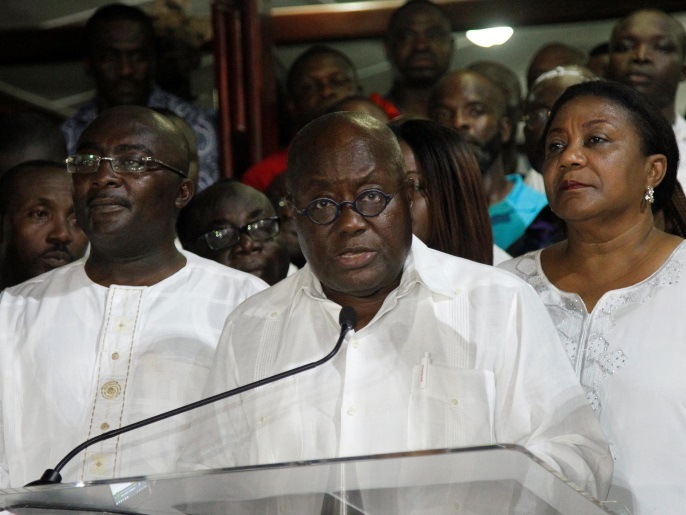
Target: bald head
pixel 318 142
pixel 550 56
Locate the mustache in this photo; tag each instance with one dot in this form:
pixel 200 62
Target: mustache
pixel 110 198
pixel 59 250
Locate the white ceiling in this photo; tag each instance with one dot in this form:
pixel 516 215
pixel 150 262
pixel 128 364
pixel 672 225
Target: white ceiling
pixel 62 87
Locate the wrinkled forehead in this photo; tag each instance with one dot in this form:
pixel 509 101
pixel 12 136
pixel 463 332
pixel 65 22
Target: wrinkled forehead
pixel 347 154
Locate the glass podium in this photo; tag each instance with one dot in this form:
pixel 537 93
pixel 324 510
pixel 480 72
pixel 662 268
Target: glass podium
pixel 500 479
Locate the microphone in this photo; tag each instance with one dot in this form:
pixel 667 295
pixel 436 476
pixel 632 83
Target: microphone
pixel 347 319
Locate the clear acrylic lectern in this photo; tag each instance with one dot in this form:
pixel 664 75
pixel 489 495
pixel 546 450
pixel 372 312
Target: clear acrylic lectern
pixel 490 480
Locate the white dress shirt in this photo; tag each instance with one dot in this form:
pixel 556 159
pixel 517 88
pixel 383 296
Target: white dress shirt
pixel 629 354
pixel 460 354
pixel 78 359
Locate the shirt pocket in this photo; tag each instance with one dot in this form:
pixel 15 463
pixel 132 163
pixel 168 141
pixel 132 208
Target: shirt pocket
pixel 451 407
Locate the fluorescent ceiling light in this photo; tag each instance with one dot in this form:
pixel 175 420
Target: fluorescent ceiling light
pixel 490 37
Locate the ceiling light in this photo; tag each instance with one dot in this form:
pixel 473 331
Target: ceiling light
pixel 490 37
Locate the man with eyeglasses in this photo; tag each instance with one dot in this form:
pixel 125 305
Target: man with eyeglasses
pixel 125 334
pixel 235 225
pixel 446 352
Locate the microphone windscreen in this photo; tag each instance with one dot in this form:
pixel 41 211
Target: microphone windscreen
pixel 348 317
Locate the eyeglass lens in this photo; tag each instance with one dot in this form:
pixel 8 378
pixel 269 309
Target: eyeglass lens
pixel 369 203
pixel 259 230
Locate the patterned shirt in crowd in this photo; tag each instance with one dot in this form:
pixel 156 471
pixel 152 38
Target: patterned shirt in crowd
pixel 200 122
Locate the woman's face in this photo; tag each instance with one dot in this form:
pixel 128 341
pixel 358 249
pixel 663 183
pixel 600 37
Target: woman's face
pixel 421 219
pixel 594 165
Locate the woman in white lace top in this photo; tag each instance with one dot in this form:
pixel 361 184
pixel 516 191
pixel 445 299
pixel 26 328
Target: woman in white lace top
pixel 616 287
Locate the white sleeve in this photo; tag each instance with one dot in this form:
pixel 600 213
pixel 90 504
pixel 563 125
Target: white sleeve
pixel 541 404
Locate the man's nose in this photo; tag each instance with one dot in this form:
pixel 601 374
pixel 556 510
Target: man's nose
pixel 125 66
pixel 641 52
pixel 61 230
pixel 247 245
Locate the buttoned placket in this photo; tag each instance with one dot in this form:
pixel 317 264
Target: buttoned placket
pixel 112 378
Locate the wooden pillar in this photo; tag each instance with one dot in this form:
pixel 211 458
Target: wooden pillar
pixel 244 79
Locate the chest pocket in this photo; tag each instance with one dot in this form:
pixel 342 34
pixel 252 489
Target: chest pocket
pixel 452 408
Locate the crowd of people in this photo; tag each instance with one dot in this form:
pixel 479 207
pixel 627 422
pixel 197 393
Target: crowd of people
pixel 133 280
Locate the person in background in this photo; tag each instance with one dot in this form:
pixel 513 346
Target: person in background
pixel 419 45
pixel 449 208
pixel 360 104
pixel 615 286
pixel 120 46
pixel 599 59
pixel 551 56
pixel 543 93
pixel 648 52
pixel 318 78
pixel 235 225
pixel 478 332
pixel 123 335
pixel 472 104
pixel 507 79
pixel 38 230
pixel 277 194
pixel 29 136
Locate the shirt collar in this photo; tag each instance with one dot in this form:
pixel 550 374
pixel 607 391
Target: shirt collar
pixel 420 267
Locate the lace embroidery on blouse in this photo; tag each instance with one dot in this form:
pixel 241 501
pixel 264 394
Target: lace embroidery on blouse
pixel 572 320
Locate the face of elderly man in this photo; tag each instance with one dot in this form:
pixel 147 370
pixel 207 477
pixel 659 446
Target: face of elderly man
pixel 339 157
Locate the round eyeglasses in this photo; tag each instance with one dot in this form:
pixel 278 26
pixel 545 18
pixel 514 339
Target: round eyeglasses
pixel 130 163
pixel 369 203
pixel 230 235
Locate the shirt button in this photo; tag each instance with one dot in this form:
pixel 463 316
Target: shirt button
pixel 104 426
pixel 115 355
pixel 352 411
pixel 356 343
pixel 262 421
pixel 456 506
pixel 454 402
pixel 111 390
pixel 274 314
pixel 457 290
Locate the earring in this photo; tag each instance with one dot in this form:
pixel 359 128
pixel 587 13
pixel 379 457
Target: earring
pixel 649 195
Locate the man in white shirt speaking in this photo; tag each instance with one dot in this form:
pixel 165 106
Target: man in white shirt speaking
pixel 446 353
pixel 119 336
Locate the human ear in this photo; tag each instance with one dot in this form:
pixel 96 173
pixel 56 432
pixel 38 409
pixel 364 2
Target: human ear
pixel 657 169
pixel 185 193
